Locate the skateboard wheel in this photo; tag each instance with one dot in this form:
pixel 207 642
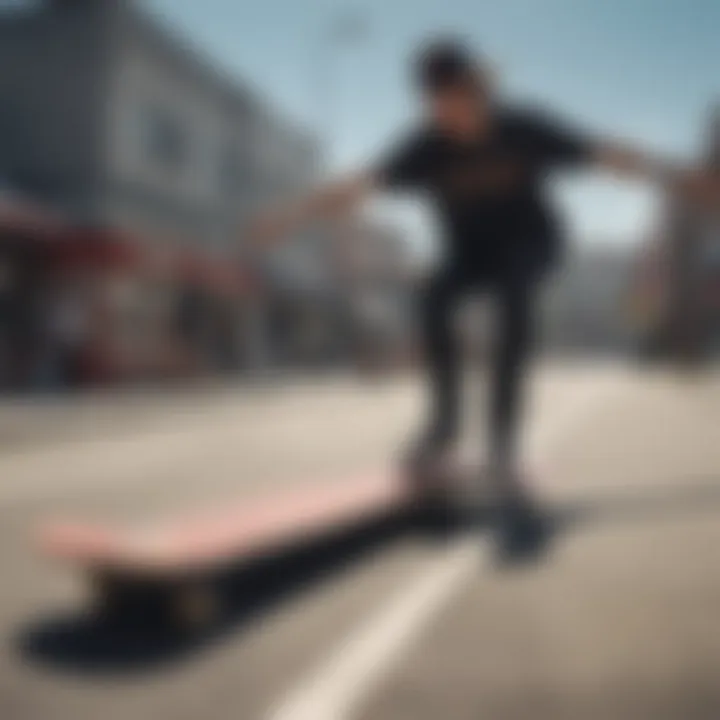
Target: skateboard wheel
pixel 104 596
pixel 195 607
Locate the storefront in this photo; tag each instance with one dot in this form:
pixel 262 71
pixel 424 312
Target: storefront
pixel 27 236
pixel 674 301
pixel 215 308
pixel 152 313
pixel 307 314
pixel 83 306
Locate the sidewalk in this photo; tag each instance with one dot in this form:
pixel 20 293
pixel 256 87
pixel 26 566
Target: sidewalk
pixel 75 416
pixel 27 421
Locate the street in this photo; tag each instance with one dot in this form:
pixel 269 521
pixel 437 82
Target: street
pixel 618 620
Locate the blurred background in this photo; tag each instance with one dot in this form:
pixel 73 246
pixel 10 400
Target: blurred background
pixel 153 361
pixel 137 140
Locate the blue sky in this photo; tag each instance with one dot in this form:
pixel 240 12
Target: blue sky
pixel 645 70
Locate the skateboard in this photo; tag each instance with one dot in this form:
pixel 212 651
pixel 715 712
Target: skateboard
pixel 170 564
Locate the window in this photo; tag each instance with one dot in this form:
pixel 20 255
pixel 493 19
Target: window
pixel 236 165
pixel 163 138
pixel 21 6
pixel 231 173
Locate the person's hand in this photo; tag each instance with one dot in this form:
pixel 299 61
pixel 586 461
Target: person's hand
pixel 693 185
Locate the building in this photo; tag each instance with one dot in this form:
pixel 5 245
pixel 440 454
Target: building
pixel 380 271
pixel 676 294
pixel 107 114
pixel 115 122
pixel 585 306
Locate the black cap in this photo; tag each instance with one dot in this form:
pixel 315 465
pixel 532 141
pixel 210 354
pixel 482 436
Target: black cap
pixel 442 63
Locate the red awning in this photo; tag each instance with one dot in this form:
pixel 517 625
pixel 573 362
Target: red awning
pixel 101 249
pixel 225 275
pixel 106 249
pixel 22 217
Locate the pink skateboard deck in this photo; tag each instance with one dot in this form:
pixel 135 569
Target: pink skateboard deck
pixel 176 559
pixel 213 537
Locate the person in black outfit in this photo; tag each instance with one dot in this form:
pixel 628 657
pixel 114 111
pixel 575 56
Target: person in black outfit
pixel 500 237
pixel 483 165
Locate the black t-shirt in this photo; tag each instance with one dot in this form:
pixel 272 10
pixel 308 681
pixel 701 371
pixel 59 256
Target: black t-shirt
pixel 490 194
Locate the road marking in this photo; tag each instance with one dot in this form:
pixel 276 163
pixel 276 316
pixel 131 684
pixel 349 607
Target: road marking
pixel 375 647
pixel 339 685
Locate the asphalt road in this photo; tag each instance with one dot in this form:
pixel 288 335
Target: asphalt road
pixel 618 620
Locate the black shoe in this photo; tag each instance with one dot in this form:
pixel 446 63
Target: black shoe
pixel 523 532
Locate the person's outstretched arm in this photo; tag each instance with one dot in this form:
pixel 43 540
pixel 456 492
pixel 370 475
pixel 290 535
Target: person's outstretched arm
pixel 338 197
pixel 563 145
pixel 403 168
pixel 692 184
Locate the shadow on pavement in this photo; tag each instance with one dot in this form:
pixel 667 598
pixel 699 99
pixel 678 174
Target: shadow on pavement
pixel 86 644
pixel 90 646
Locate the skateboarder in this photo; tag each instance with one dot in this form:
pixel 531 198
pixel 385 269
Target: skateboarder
pixel 483 164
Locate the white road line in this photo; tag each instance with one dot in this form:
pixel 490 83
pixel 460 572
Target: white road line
pixel 336 688
pixel 375 647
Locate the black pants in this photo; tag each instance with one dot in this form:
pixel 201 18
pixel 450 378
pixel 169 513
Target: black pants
pixel 513 293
